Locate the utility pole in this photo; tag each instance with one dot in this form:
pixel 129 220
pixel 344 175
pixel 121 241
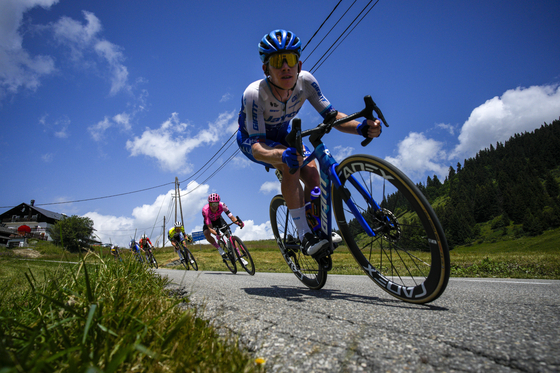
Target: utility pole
pixel 178 198
pixel 163 231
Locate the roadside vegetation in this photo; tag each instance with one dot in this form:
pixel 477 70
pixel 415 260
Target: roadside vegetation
pixel 76 312
pixel 104 317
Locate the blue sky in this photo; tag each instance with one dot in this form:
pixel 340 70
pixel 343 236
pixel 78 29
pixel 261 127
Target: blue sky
pixel 105 98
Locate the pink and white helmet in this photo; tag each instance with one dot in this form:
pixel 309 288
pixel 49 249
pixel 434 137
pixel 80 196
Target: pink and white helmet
pixel 214 197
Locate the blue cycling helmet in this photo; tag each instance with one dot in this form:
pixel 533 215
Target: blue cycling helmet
pixel 279 41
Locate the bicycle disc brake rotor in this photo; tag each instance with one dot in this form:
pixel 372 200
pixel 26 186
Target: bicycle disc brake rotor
pixel 389 225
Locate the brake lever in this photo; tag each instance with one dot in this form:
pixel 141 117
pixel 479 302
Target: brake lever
pixel 371 106
pixel 294 139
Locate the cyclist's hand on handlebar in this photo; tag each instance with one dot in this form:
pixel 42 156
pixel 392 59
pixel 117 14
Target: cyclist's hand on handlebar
pixel 369 128
pixel 240 224
pixel 291 158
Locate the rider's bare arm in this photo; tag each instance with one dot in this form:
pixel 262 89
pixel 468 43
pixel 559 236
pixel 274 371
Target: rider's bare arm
pixel 265 153
pixel 374 129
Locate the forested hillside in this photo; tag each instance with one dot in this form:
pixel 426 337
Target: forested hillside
pixel 513 186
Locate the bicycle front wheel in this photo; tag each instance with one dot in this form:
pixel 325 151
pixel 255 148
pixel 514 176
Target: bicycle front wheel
pixel 241 252
pixel 189 257
pixel 408 257
pixel 308 270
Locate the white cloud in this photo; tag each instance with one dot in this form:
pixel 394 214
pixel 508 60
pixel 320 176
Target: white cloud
pixel 270 186
pixel 341 152
pixel 83 39
pixel 171 144
pixel 47 158
pixel 516 111
pixel 18 69
pixel 226 97
pixel 252 232
pixel 59 127
pixel 418 155
pixel 447 127
pixel 97 131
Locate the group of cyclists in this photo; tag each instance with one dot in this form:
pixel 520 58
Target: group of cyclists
pixel 213 220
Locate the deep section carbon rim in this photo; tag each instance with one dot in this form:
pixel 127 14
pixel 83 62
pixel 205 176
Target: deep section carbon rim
pixel 409 256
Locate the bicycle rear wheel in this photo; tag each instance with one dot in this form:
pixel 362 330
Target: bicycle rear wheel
pixel 241 252
pixel 408 257
pixel 230 261
pixel 190 258
pixel 310 272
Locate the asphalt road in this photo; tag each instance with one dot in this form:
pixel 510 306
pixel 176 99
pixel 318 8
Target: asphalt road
pixel 351 325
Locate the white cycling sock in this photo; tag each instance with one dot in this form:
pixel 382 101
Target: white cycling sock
pixel 298 216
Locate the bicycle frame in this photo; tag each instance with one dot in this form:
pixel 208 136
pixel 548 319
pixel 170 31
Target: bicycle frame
pixel 225 231
pixel 329 177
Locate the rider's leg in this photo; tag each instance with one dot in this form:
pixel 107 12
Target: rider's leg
pixel 212 241
pixel 176 247
pixel 295 200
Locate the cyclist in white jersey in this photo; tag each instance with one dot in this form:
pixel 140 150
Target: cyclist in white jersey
pixel 268 106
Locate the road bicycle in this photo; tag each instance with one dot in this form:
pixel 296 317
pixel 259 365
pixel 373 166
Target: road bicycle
pixel 184 255
pixel 235 250
pixel 150 258
pixel 385 221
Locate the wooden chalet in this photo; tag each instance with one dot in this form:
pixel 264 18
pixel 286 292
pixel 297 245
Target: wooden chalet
pixel 26 222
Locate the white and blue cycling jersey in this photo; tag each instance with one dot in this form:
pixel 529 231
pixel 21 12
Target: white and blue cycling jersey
pixel 263 118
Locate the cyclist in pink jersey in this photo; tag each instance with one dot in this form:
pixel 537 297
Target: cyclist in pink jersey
pixel 267 108
pixel 212 214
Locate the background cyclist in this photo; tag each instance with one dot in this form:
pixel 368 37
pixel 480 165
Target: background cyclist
pixel 176 235
pixel 145 242
pixel 212 214
pixel 269 105
pixel 135 248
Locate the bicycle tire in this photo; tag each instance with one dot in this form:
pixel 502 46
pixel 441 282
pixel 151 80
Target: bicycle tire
pixel 192 263
pixel 182 256
pixel 409 257
pixel 230 261
pixel 308 270
pixel 241 251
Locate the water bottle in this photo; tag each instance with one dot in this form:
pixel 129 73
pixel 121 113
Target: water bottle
pixel 315 209
pixel 316 201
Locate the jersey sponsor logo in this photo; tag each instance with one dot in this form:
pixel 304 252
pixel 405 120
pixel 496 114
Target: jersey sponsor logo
pixel 273 104
pixel 254 113
pixel 296 97
pixel 318 90
pixel 283 118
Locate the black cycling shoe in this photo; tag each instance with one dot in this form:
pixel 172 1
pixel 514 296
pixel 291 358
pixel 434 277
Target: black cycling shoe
pixel 311 244
pixel 225 257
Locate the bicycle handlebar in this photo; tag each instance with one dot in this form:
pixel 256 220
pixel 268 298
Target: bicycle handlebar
pixel 226 227
pixel 294 138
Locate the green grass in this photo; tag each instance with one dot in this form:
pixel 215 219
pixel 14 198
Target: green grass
pixel 108 316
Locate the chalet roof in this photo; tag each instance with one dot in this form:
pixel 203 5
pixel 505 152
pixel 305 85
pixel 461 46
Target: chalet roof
pixel 17 209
